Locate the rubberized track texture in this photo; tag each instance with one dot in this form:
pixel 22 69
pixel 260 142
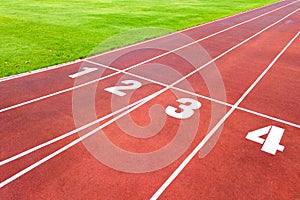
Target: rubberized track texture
pixel 211 112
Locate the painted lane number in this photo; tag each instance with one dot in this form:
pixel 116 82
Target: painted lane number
pixel 187 105
pixel 129 85
pixel 86 70
pixel 271 143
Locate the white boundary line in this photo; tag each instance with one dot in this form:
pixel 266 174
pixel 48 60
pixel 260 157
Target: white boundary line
pixel 146 99
pixel 138 64
pixel 218 125
pixel 136 44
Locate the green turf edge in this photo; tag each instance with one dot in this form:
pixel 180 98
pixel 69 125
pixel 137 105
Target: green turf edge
pixel 53 51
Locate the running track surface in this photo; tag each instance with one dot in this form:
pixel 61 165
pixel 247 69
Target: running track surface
pixel 244 72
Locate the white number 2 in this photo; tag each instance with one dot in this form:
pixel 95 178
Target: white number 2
pixel 188 106
pixel 130 85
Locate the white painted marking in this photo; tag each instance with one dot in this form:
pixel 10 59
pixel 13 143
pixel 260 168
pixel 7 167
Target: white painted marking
pixel 269 117
pixel 202 143
pixel 130 85
pixel 151 59
pixel 201 96
pixel 255 136
pixel 218 125
pixel 86 70
pixel 56 93
pixel 271 143
pixel 187 110
pixel 143 42
pixel 74 142
pixel 24 153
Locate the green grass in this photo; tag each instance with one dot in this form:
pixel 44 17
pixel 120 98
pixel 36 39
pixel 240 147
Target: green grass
pixel 40 33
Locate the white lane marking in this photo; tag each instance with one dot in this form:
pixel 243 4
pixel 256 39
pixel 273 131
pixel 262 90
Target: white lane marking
pixel 26 152
pixel 150 97
pixel 74 142
pixel 199 95
pixel 86 70
pixel 255 135
pixel 211 133
pixel 268 117
pixel 56 93
pixel 119 89
pixel 272 143
pixel 139 43
pixel 136 65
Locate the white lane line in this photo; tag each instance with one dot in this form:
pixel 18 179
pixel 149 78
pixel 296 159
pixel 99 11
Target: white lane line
pixel 218 125
pixel 56 93
pixel 201 96
pixel 136 65
pixel 74 142
pixel 268 117
pixel 148 98
pixel 26 152
pixel 136 44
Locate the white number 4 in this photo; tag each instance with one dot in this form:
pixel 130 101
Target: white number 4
pixel 271 143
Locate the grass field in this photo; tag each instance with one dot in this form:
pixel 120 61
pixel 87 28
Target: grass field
pixel 40 33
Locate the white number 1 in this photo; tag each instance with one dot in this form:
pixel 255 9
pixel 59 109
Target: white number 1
pixel 187 110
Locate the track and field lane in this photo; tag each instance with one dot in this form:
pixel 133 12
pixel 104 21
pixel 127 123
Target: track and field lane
pixel 45 120
pixel 76 168
pixel 40 86
pixel 278 93
pixel 237 168
pixel 211 136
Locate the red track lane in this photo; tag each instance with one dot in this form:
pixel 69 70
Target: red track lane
pixel 277 94
pixel 236 168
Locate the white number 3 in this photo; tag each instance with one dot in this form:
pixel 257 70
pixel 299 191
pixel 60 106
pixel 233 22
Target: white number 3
pixel 188 106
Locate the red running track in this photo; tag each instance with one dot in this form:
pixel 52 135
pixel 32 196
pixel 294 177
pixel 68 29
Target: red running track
pixel 237 74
